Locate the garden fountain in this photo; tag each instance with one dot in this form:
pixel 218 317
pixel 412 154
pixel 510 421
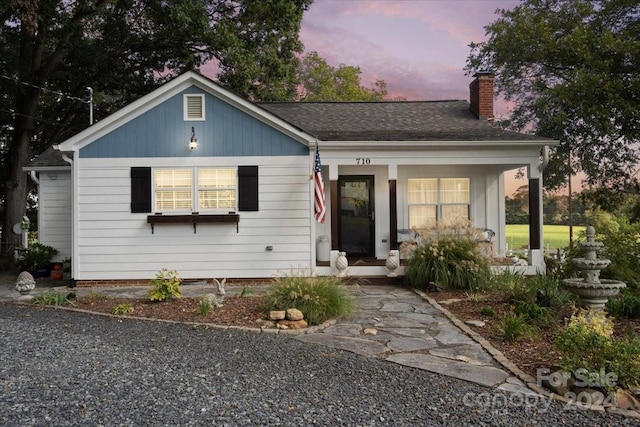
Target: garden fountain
pixel 592 291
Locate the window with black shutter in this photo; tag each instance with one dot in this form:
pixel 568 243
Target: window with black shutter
pixel 247 188
pixel 213 187
pixel 140 189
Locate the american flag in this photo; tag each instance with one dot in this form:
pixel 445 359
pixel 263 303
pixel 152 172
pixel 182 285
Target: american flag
pixel 320 208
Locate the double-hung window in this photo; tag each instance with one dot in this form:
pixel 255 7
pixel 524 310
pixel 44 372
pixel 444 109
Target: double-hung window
pixel 434 201
pixel 194 189
pixel 173 189
pixel 217 189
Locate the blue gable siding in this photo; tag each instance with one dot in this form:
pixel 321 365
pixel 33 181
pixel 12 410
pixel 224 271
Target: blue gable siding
pixel 163 132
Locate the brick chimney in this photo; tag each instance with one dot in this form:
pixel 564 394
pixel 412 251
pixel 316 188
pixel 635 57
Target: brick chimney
pixel 481 96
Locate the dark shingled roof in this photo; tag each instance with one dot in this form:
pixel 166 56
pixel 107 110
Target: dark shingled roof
pixel 370 121
pixel 391 121
pixel 50 158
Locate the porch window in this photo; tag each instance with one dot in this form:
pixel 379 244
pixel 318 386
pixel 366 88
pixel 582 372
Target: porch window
pixel 434 201
pixel 174 189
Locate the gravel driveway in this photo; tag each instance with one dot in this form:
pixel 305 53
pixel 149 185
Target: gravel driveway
pixel 65 368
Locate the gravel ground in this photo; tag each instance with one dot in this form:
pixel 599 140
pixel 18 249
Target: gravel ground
pixel 64 368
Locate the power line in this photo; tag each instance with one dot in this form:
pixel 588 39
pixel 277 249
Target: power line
pixel 45 89
pixel 10 111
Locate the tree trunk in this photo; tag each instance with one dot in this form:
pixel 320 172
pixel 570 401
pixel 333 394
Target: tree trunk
pixel 17 188
pixel 15 197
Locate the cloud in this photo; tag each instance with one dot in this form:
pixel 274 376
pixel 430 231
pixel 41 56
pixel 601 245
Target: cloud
pixel 419 48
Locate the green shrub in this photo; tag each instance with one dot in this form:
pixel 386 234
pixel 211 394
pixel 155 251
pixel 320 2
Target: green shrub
pixel 514 326
pixel 204 307
pixel 626 304
pixel 548 291
pixel 246 291
pixel 623 356
pixel 587 343
pixel 621 246
pixel 166 285
pixel 511 286
pixel 122 309
pixel 319 298
pixel 450 261
pixel 37 256
pixel 50 298
pixel 533 313
pixel 488 311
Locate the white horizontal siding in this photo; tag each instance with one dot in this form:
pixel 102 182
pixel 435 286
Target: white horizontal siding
pixel 113 243
pixel 54 212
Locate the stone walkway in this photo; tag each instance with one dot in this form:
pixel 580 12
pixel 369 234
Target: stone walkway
pixel 392 323
pixel 398 325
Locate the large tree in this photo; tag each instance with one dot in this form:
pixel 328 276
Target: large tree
pixel 320 81
pixel 51 51
pixel 570 67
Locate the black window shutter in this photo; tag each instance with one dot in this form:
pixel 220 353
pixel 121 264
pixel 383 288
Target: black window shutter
pixel 248 188
pixel 140 190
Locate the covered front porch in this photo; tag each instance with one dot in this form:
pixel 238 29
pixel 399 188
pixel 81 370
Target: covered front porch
pixel 373 205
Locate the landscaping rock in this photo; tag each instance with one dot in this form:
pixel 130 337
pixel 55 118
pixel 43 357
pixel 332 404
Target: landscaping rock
pixel 264 323
pixel 277 315
pixel 625 400
pixel 294 314
pixel 293 324
pixel 450 301
pixel 558 383
pixel 478 323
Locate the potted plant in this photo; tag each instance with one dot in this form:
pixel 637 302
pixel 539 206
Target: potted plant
pixel 37 260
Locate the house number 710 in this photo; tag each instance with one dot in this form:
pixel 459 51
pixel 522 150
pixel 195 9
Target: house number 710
pixel 363 161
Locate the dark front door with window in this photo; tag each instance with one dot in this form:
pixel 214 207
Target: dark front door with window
pixel 356 218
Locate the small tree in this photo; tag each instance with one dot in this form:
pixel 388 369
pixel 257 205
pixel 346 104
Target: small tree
pixel 320 81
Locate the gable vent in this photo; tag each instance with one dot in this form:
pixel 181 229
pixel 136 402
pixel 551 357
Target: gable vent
pixel 194 107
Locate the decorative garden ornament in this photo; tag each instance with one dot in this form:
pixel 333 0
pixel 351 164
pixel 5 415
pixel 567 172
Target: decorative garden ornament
pixel 342 263
pixel 392 263
pixel 592 291
pixel 25 282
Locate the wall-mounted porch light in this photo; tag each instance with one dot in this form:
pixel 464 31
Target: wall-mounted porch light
pixel 193 142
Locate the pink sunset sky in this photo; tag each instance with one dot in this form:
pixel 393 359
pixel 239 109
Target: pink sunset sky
pixel 418 47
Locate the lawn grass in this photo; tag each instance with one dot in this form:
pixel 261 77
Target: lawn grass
pixel 555 236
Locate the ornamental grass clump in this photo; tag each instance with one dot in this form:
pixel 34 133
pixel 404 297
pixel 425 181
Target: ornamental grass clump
pixel 626 304
pixel 166 285
pixel 513 326
pixel 204 307
pixel 587 345
pixel 51 298
pixel 319 298
pixel 449 260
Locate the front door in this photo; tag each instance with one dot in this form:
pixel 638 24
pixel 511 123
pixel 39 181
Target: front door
pixel 356 219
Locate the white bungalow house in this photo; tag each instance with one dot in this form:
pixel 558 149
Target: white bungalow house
pixel 194 178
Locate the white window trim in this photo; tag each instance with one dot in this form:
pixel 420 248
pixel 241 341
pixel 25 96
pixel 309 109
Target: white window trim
pixel 196 189
pixel 154 191
pixel 185 109
pixel 195 193
pixel 438 205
